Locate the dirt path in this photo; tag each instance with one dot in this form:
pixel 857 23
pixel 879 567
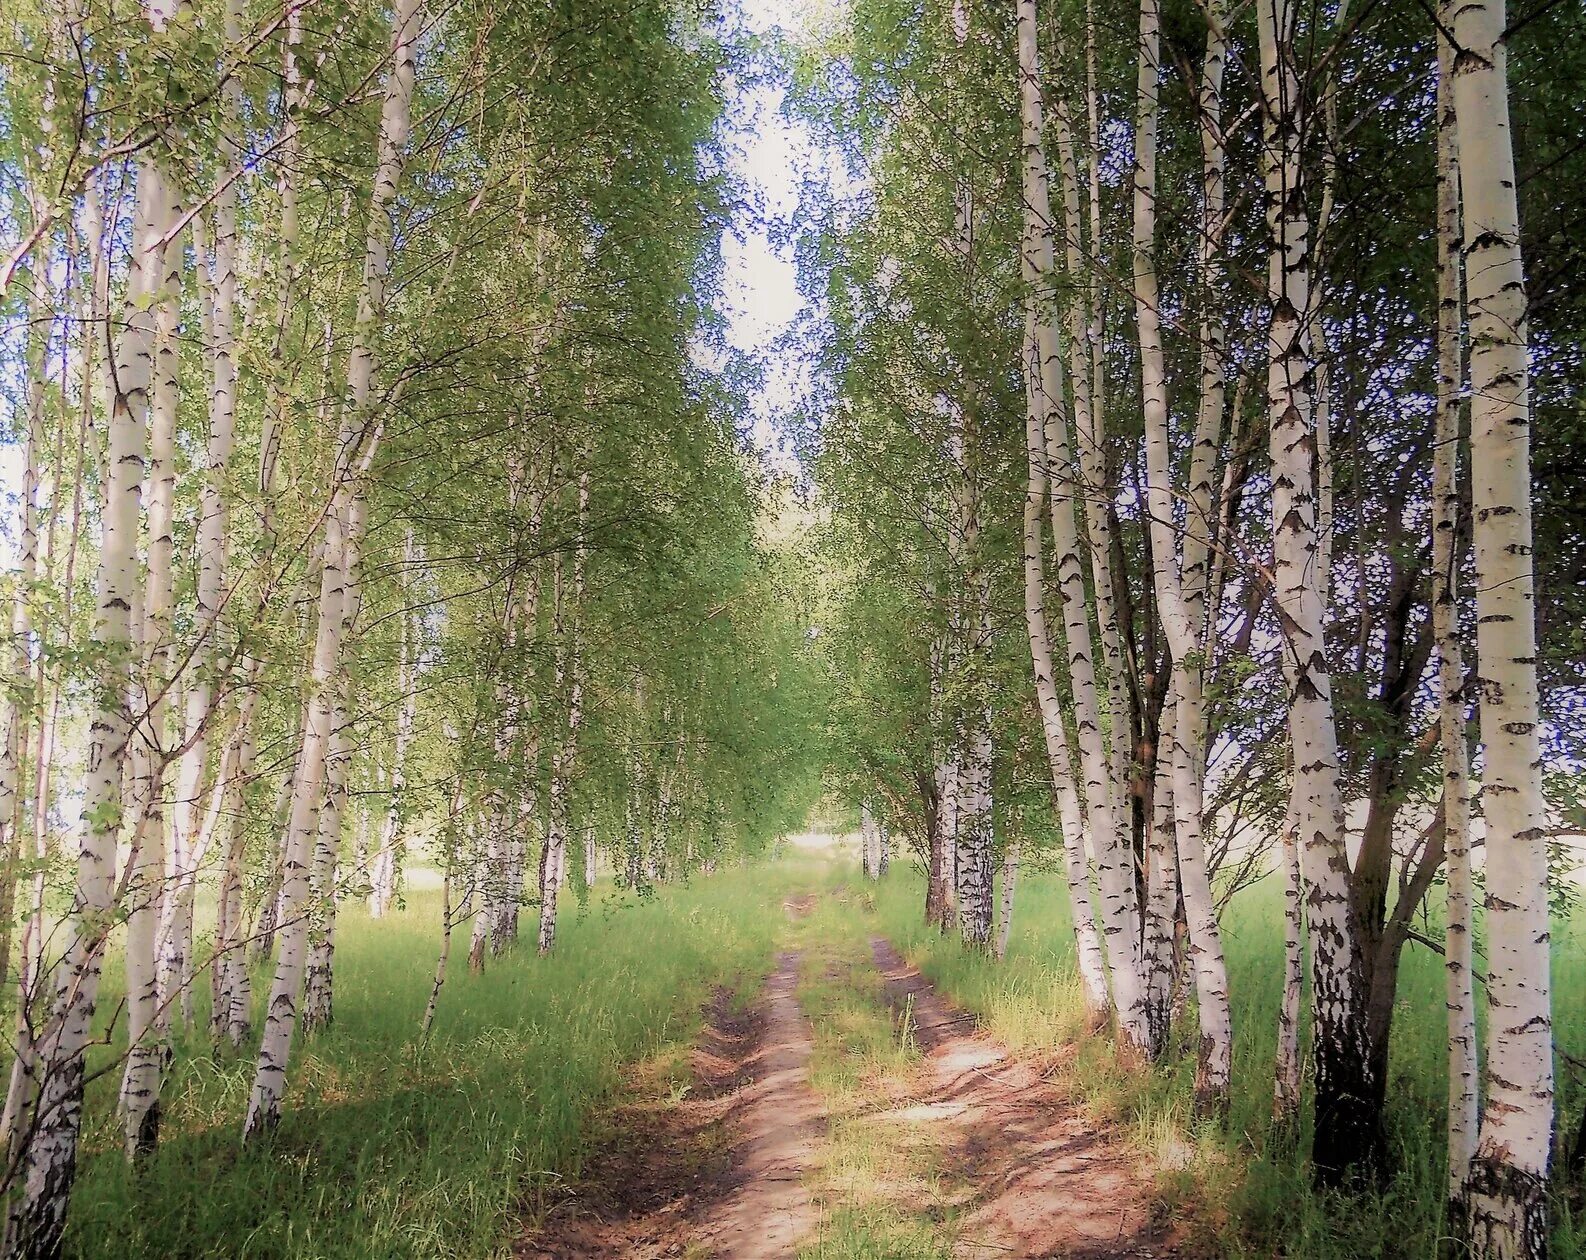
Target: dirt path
pixel 1041 1179
pixel 769 1210
pixel 718 1172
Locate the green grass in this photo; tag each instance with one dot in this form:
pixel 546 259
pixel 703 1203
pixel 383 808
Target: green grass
pixel 392 1149
pixel 1249 1196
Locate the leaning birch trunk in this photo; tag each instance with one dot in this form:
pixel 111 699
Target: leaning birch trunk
pixel 1110 844
pixel 1215 1062
pixel 1043 399
pixel 308 786
pixel 1348 1130
pixel 1507 1191
pixel 1108 833
pixel 231 1013
pixel 1200 531
pixel 449 918
pixel 49 1159
pixel 1092 962
pixel 264 1106
pixel 25 702
pixel 22 704
pixel 148 1014
pixel 1463 1065
pixel 319 978
pixel 1085 377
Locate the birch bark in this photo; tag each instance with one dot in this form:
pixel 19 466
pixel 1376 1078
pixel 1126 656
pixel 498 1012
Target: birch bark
pixel 148 1019
pixel 38 1216
pixel 1183 634
pixel 176 962
pixel 1348 1131
pixel 1463 1065
pixel 565 756
pixel 269 1085
pixel 1507 1190
pixel 387 871
pixel 1044 394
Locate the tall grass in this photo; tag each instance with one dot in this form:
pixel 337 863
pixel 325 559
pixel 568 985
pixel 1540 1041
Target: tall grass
pixel 391 1148
pixel 1249 1192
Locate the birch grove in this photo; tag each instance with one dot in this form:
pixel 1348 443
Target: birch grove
pixel 1151 548
pixel 1261 550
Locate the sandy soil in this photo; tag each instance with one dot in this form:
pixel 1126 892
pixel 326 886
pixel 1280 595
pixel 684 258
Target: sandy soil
pixel 1041 1179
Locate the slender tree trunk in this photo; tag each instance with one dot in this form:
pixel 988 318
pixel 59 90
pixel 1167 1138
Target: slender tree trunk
pixel 1184 637
pixel 939 836
pixel 1463 1065
pixel 1286 1091
pixel 38 1217
pixel 1162 900
pixel 148 1013
pixel 176 960
pixel 1507 1194
pixel 1085 378
pixel 1120 917
pixel 22 702
pixel 565 756
pixel 387 871
pixel 356 446
pixel 1348 1128
pixel 1092 961
pixel 1007 884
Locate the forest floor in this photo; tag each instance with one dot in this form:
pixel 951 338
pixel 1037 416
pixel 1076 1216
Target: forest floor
pixel 846 1109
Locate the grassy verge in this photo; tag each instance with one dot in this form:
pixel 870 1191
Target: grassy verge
pixel 1251 1194
pixel 875 1189
pixel 392 1149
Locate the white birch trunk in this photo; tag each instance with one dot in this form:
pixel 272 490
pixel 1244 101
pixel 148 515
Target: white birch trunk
pixel 1215 1063
pixel 148 1018
pixel 1463 1065
pixel 388 858
pixel 1162 896
pixel 1507 1192
pixel 38 1218
pixel 1044 400
pixel 1085 378
pixel 565 757
pixel 357 444
pixel 1286 1075
pixel 176 961
pixel 1108 833
pixel 1348 1129
pixel 1005 892
pixel 1088 947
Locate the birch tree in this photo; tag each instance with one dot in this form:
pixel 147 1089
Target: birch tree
pixel 1348 1128
pixel 1178 621
pixel 354 447
pixel 1506 1192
